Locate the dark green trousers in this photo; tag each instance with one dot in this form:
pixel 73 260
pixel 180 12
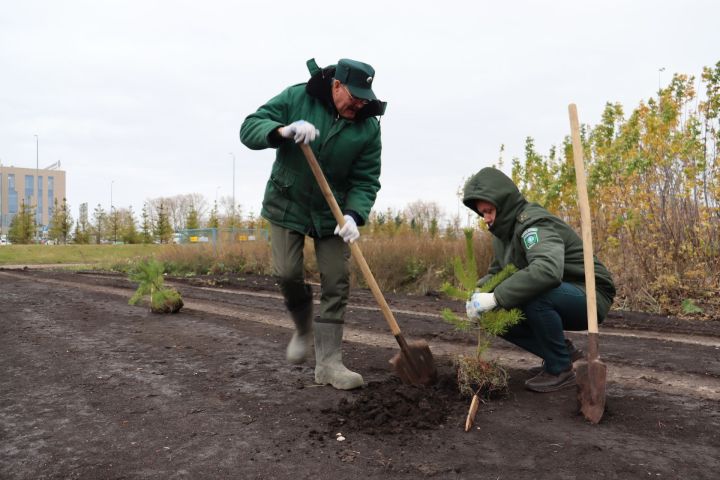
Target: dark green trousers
pixel 333 260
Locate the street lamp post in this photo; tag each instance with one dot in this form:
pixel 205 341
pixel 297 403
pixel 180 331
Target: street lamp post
pixel 111 201
pixel 37 185
pixel 660 70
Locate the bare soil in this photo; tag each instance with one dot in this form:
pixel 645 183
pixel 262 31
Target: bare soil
pixel 95 388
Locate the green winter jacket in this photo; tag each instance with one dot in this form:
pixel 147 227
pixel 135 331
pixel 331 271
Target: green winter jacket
pixel 543 247
pixel 348 153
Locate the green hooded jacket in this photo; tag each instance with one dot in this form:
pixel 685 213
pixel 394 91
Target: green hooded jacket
pixel 348 153
pixel 545 249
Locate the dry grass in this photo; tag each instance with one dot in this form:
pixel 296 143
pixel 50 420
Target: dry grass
pixel 418 264
pixel 405 263
pixel 201 259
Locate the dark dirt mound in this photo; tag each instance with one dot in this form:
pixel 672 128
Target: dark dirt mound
pixel 389 407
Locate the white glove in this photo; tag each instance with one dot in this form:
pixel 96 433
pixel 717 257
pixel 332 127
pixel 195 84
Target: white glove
pixel 300 131
pixel 479 303
pixel 349 232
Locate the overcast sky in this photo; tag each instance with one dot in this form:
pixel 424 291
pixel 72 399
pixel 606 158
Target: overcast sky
pixel 149 95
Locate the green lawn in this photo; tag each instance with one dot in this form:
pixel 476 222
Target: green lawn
pixel 84 254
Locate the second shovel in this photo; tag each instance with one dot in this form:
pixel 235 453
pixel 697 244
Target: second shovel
pixel 591 374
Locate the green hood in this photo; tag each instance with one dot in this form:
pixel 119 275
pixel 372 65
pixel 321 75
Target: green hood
pixel 492 185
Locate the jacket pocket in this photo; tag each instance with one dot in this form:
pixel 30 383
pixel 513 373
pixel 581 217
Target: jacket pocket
pixel 278 194
pixel 282 181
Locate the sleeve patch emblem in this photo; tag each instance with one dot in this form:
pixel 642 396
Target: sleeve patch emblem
pixel 530 238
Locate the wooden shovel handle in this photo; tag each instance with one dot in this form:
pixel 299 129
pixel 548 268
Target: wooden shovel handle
pixel 585 221
pixel 354 247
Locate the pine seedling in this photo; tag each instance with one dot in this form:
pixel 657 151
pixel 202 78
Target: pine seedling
pixel 475 373
pixel 477 377
pixel 149 276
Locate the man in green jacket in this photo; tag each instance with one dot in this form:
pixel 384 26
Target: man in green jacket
pixel 335 112
pixel 549 286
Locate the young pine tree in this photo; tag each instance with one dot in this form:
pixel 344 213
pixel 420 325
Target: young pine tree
pixel 128 229
pixel 163 230
pixel 82 227
pixel 99 225
pixel 61 222
pixel 146 226
pixel 22 226
pixel 214 221
pixel 477 376
pixel 192 222
pixel 114 224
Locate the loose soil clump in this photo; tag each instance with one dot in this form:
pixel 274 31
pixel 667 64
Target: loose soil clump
pixel 389 407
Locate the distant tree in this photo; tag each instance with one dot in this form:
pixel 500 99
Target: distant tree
pixel 127 230
pixel 146 227
pixel 177 208
pixel 22 226
pixel 398 220
pixel 163 229
pixel 214 222
pixel 433 228
pixel 99 225
pixel 82 227
pixel 231 213
pixel 421 214
pixel 192 222
pixel 61 222
pixel 251 221
pixel 452 228
pixel 113 224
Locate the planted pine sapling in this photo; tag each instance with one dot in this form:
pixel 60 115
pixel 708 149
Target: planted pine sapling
pixel 149 276
pixel 477 377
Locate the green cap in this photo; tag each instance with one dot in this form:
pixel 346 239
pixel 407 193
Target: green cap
pixel 357 76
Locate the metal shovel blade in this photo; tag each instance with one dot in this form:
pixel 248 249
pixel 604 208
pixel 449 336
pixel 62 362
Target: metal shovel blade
pixel 591 378
pixel 414 363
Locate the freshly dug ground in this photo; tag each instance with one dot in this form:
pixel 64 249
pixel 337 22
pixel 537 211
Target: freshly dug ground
pixel 94 388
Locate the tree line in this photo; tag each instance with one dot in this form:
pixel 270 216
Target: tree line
pixel 159 219
pixel 654 186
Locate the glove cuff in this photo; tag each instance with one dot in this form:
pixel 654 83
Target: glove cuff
pixel 355 216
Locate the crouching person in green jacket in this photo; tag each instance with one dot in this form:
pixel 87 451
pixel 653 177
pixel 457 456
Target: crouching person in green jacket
pixel 549 286
pixel 335 112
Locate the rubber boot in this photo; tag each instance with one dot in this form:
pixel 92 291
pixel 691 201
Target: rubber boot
pixel 297 349
pixel 329 368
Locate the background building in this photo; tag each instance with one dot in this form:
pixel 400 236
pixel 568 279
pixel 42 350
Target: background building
pixel 37 187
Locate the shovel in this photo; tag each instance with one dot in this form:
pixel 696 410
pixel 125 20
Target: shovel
pixel 591 374
pixel 414 364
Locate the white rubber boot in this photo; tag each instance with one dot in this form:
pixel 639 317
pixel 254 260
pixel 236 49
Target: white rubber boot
pixel 329 368
pixel 298 347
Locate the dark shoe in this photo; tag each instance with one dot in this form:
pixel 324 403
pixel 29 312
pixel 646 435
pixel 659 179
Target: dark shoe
pixel 547 382
pixel 575 355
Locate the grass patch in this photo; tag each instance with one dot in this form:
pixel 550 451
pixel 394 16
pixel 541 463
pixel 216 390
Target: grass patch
pixel 97 255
